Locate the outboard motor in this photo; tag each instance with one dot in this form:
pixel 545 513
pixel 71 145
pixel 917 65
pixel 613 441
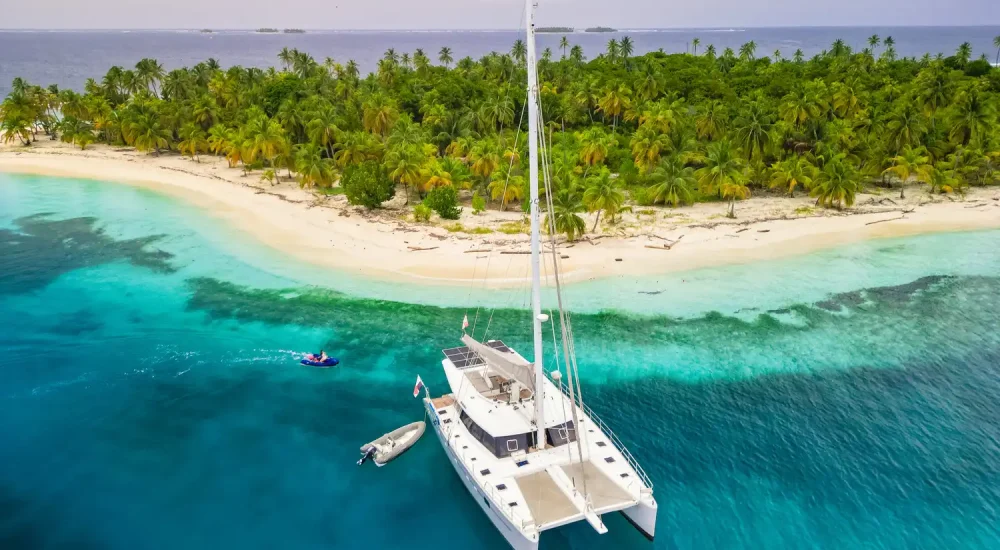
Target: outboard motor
pixel 370 453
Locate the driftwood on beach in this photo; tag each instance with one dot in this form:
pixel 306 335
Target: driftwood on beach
pixel 420 248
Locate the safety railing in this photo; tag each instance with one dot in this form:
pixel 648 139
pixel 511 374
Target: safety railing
pixel 614 439
pixel 492 493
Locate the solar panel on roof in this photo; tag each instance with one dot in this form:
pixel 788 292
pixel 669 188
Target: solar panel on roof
pixel 463 357
pixel 498 345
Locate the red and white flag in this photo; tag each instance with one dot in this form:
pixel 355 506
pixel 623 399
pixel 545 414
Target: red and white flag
pixel 465 322
pixel 419 386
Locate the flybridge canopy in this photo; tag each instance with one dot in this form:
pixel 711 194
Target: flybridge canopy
pixel 497 356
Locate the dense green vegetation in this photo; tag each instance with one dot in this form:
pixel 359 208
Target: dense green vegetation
pixel 650 129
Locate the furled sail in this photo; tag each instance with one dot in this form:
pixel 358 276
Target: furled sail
pixel 509 365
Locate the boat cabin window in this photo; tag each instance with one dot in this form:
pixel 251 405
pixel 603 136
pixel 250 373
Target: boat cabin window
pixel 562 434
pixel 500 446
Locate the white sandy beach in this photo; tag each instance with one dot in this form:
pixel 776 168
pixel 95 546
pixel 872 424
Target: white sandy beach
pixel 325 230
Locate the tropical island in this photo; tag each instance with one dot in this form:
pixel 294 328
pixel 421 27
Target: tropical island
pixel 735 153
pixel 600 29
pixel 206 31
pixel 551 30
pixel 293 31
pixel 267 30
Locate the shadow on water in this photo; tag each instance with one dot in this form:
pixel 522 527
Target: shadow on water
pixel 42 249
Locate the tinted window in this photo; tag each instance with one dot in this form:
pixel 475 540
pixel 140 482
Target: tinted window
pixel 560 435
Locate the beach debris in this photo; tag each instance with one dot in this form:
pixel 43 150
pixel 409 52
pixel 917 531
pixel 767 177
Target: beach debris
pixel 515 252
pixel 477 250
pixel 667 245
pixel 420 248
pixel 903 215
pixel 763 230
pixel 564 256
pixel 977 205
pixel 886 220
pixel 744 229
pixel 618 259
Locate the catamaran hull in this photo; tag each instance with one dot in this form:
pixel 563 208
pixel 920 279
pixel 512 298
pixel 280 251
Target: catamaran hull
pixel 642 516
pixel 513 535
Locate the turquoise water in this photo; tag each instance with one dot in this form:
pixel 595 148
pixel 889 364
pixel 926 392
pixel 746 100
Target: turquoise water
pixel 151 398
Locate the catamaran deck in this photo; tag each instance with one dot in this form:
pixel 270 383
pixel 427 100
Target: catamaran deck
pixel 604 493
pixel 547 503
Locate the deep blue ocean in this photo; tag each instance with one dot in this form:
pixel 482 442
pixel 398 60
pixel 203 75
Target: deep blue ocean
pixel 69 58
pixel 150 395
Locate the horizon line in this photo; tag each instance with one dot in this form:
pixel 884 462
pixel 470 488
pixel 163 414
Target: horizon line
pixel 486 29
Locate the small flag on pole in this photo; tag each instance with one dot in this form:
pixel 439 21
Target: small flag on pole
pixel 465 322
pixel 419 386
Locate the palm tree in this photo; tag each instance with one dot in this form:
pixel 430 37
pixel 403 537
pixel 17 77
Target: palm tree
pixel 972 116
pixel 613 49
pixel 753 130
pixel 148 73
pixel 576 54
pixel 837 183
pixel 323 130
pixel 625 47
pixel 594 145
pixel 905 126
pixel 748 50
pixel 912 161
pixel 286 56
pixel 873 42
pixel 793 172
pixel 379 113
pixel 723 173
pixel 192 140
pixel 603 194
pixel 444 56
pixel 564 45
pixel 266 139
pixel 673 182
pixel 614 102
pixel 647 145
pixel 565 216
pixel 798 56
pixel 711 120
pixel 404 166
pixel 313 169
pixel 710 51
pixel 508 185
pixel 695 43
pixel 519 51
pixel 996 42
pixel 964 53
pixel 148 134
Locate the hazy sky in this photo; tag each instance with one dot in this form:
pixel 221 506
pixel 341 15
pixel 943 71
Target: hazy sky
pixel 491 14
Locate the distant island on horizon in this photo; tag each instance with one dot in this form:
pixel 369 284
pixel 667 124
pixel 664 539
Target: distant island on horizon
pixel 270 30
pixel 553 30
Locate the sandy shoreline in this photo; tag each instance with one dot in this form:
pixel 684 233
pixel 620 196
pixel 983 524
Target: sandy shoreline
pixel 325 231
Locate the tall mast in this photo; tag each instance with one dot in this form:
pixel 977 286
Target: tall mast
pixel 536 274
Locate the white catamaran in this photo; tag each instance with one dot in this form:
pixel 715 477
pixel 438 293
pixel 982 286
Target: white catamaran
pixel 531 453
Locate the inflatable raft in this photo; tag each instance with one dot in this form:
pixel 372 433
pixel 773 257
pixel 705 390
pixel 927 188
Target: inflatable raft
pixel 313 361
pixel 388 447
